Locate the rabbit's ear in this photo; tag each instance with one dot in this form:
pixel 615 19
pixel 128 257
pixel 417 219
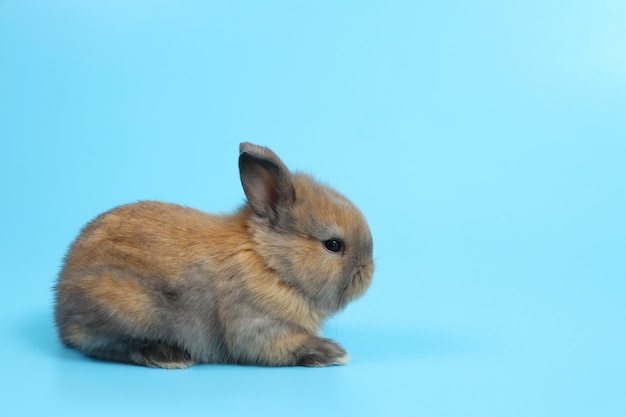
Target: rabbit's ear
pixel 265 180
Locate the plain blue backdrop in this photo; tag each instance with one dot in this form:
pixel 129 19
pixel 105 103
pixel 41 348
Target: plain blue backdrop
pixel 483 140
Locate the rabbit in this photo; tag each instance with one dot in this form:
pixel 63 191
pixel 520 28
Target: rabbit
pixel 167 286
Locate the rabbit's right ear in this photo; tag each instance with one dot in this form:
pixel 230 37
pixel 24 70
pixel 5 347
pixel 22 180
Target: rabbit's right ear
pixel 265 180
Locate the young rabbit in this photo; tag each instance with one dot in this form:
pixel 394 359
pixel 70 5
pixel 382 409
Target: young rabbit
pixel 167 286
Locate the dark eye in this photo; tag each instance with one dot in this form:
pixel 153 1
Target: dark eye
pixel 334 245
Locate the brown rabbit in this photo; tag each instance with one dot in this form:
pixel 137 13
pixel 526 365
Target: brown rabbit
pixel 167 286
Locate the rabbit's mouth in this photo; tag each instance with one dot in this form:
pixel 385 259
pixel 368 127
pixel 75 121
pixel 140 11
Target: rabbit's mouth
pixel 357 285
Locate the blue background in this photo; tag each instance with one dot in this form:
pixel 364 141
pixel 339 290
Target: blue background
pixel 484 141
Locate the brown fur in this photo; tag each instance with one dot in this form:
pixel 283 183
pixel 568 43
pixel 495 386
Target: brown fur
pixel 163 285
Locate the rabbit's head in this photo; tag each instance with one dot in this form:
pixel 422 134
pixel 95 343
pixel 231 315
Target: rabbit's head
pixel 313 237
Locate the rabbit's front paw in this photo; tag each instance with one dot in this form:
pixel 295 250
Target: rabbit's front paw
pixel 318 352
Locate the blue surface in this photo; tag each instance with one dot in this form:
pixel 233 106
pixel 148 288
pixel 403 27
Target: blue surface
pixel 484 141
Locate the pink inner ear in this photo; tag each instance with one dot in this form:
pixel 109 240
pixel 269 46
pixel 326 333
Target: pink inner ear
pixel 265 187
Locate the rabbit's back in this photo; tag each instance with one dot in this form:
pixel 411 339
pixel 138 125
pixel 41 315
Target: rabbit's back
pixel 150 238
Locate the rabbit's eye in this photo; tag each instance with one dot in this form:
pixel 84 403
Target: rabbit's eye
pixel 334 245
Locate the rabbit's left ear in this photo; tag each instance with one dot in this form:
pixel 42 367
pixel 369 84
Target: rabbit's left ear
pixel 265 180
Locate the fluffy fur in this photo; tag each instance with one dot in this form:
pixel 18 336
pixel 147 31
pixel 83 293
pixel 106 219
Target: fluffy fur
pixel 167 286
